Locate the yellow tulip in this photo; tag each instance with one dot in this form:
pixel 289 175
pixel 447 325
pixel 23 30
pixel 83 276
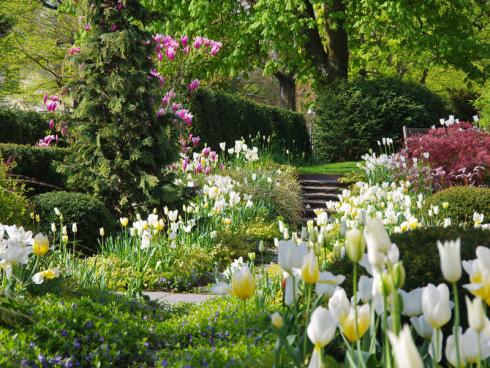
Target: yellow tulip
pixel 309 270
pixel 348 323
pixel 41 245
pixel 242 283
pixel 124 221
pixel 276 320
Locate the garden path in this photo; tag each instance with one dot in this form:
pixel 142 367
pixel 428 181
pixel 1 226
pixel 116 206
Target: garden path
pixel 317 190
pixel 173 298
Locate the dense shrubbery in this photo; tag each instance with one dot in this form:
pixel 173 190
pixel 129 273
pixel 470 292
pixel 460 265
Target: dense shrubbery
pixel 22 127
pixel 90 214
pixel 462 202
pixel 221 117
pixel 458 154
pixel 353 116
pixel 37 163
pixel 14 207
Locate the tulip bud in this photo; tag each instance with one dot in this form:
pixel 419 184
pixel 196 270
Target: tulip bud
pixel 38 219
pixel 354 245
pixel 64 239
pixel 132 232
pixel 155 211
pixel 31 215
pixel 309 270
pixel 251 256
pixel 53 227
pixel 277 321
pixel 399 275
pixel 64 230
pixel 337 251
pixel 101 231
pixel 57 211
pixel 314 235
pixel 40 245
pixel 124 221
pixel 304 233
pixel 387 283
pixel 476 314
pixel 74 228
pixel 343 227
pixel 450 255
pixel 261 246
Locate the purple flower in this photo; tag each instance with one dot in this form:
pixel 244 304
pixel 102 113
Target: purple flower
pixel 88 27
pixel 206 151
pixel 185 115
pixel 51 124
pixel 186 49
pixel 198 169
pixel 193 85
pixel 167 98
pixel 184 40
pixel 213 156
pixel 157 75
pixel 198 42
pixel 77 344
pixel 160 112
pixel 175 107
pixel 74 50
pixel 207 170
pixel 114 28
pixel 215 47
pixel 195 141
pixel 119 6
pixel 52 105
pixel 170 52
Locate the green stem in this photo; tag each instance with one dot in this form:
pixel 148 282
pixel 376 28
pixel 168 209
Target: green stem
pixel 307 315
pixel 386 344
pixel 245 326
pixel 456 320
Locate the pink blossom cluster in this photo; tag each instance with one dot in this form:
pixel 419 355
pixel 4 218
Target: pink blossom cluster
pixel 168 46
pixel 155 74
pixel 74 50
pixel 200 163
pixel 46 141
pixel 457 154
pixel 52 103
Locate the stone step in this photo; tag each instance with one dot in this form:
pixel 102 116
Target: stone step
pixel 321 195
pixel 320 183
pixel 315 203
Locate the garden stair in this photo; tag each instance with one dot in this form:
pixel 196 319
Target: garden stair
pixel 318 189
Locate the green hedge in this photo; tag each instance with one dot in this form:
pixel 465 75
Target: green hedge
pixel 35 163
pixel 221 117
pixel 22 127
pixel 418 251
pixel 463 202
pixel 89 213
pixel 353 116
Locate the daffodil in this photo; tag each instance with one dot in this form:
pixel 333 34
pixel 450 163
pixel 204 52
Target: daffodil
pixel 49 274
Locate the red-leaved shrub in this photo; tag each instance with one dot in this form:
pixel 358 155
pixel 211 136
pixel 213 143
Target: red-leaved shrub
pixel 458 154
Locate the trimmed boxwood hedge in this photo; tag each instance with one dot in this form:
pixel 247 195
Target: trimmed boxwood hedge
pixel 35 163
pixel 89 213
pixel 22 127
pixel 353 115
pixel 463 202
pixel 222 117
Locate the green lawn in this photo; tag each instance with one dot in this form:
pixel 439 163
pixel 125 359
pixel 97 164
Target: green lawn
pixel 333 168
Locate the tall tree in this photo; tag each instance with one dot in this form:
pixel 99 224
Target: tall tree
pixel 326 39
pixel 121 147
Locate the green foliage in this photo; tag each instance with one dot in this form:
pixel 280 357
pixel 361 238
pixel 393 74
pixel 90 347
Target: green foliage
pixel 418 251
pixel 483 104
pixel 88 329
pixel 35 165
pixel 89 213
pixel 14 207
pixel 23 127
pixel 353 116
pixel 121 149
pixel 463 202
pixel 221 117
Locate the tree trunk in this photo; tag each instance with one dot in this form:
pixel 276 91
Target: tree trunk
pixel 425 73
pixel 287 90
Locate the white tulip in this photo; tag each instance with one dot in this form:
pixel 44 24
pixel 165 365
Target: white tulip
pixel 435 305
pixel 422 327
pixel 327 283
pixel 476 315
pixel 276 320
pixel 376 236
pixel 473 345
pixel 291 288
pixel 365 291
pixel 338 304
pixel 451 354
pixel 412 302
pixel 74 228
pixel 291 255
pixel 172 215
pixel 450 255
pixel 57 211
pixel 321 331
pixel 222 145
pixel 404 349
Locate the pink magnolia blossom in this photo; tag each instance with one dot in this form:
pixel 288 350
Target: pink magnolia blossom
pixel 184 40
pixel 170 52
pixel 213 156
pixel 114 28
pixel 52 105
pixel 160 112
pixel 168 98
pixel 74 51
pixel 193 85
pixel 87 27
pixel 207 170
pixel 64 130
pixel 46 141
pixel 216 46
pixel 195 141
pixel 185 115
pixel 206 151
pixel 51 124
pixel 186 49
pixel 157 75
pixel 185 163
pixel 45 98
pixel 198 168
pixel 159 56
pixel 175 107
pixel 198 42
pixel 120 6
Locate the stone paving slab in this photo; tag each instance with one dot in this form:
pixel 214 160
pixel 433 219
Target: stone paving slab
pixel 172 298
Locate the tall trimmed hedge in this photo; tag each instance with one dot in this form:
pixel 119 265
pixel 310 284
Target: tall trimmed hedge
pixel 222 117
pixel 354 115
pixel 22 127
pixel 35 163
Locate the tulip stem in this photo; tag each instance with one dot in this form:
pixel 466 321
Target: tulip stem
pixel 386 344
pixel 307 315
pixel 245 325
pixel 456 321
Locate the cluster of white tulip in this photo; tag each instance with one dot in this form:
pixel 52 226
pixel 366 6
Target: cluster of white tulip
pixel 16 249
pixel 241 149
pixel 380 300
